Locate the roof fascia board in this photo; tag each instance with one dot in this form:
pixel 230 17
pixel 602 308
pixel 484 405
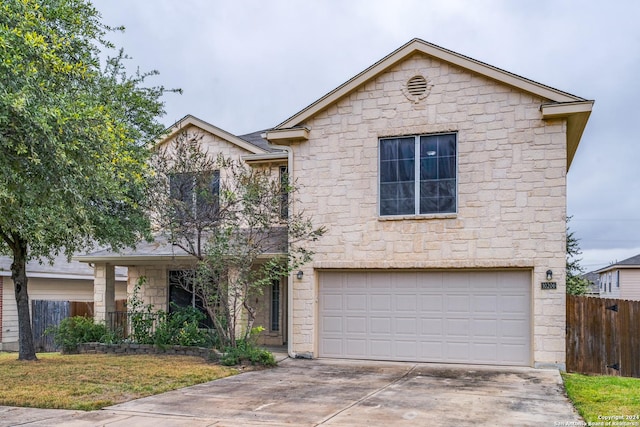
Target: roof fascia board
pixel 214 130
pixel 437 52
pixel 550 111
pixel 284 136
pixel 130 260
pixel 61 276
pixel 577 115
pixel 266 158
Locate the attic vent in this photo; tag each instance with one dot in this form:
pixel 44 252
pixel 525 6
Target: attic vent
pixel 417 89
pixel 417 86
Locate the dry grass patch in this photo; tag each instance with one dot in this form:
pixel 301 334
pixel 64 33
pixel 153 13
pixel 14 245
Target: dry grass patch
pixel 93 381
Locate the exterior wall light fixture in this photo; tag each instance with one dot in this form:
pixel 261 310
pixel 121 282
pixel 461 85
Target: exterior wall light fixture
pixel 299 274
pixel 549 274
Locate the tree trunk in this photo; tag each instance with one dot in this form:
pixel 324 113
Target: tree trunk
pixel 27 350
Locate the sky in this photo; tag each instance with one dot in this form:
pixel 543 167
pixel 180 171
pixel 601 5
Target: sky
pixel 247 65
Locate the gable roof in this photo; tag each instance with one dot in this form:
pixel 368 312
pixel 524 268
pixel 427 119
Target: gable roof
pixel 633 262
pixel 561 104
pixel 250 143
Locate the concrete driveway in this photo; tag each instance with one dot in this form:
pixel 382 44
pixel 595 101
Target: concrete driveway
pixel 345 393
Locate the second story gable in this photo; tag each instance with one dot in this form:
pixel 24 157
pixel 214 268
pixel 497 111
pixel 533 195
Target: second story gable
pixel 427 142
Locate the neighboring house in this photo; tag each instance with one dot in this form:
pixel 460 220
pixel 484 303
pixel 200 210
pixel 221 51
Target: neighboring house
pixel 441 181
pixel 64 287
pixel 621 279
pixel 593 289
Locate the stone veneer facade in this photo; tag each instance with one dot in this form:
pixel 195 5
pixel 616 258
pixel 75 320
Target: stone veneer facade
pixel 511 190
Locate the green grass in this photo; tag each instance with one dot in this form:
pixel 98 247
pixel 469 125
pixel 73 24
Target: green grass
pixel 597 396
pixel 93 381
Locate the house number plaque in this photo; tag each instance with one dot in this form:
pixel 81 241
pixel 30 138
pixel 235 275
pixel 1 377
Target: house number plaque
pixel 548 285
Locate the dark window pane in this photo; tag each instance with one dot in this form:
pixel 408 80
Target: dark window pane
pixel 389 191
pixel 388 171
pixel 406 148
pixel 388 149
pixel 406 170
pixel 446 167
pixel 428 205
pixel 447 188
pixel 428 168
pixel 447 145
pixel 406 206
pixel 388 207
pixel 429 188
pixel 428 146
pixel 406 190
pixel 447 205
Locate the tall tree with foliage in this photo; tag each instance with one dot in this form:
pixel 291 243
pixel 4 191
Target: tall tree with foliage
pixel 235 221
pixel 576 284
pixel 72 133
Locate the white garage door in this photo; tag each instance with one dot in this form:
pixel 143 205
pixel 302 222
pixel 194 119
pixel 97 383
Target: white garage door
pixel 451 317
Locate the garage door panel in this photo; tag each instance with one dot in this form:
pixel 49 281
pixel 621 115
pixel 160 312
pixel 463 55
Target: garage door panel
pixel 380 325
pixel 431 350
pixel 484 352
pixel 406 303
pixel 332 347
pixel 380 302
pixel 453 316
pixel 381 349
pixel 456 327
pixel 356 302
pixel 405 281
pixel 514 303
pixel 484 328
pixel 377 280
pixel 457 304
pixel 485 303
pixel 356 348
pixel 431 327
pixel 457 351
pixel 356 325
pixel 406 326
pixel 406 349
pixel 332 324
pixel 332 301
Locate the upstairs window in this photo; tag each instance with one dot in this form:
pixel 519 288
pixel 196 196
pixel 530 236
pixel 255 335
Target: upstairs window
pixel 418 175
pixel 195 196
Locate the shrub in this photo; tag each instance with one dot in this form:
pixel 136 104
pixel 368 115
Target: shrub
pixel 78 329
pixel 247 351
pixel 181 327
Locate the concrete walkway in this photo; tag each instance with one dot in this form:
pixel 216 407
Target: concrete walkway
pixel 339 393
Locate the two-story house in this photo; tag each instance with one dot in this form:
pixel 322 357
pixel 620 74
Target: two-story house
pixel 441 181
pixel 620 279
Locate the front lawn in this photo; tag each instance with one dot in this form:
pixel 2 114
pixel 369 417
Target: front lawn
pixel 93 381
pixel 598 397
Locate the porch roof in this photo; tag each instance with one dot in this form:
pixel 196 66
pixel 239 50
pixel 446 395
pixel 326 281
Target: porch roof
pixel 162 251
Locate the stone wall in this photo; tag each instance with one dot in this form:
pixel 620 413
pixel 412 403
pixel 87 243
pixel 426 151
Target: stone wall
pixel 125 349
pixel 511 190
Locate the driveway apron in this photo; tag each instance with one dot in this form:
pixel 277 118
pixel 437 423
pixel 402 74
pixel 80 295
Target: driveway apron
pixel 352 393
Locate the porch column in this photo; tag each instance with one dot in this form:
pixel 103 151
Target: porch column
pixel 104 291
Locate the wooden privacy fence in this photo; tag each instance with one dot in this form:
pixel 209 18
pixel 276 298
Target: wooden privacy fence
pixel 603 336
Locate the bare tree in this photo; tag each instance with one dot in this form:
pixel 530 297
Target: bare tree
pixel 236 222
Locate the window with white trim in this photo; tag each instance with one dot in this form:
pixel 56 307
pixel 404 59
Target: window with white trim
pixel 418 175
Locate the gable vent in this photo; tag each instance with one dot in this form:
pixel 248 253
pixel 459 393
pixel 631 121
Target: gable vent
pixel 417 85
